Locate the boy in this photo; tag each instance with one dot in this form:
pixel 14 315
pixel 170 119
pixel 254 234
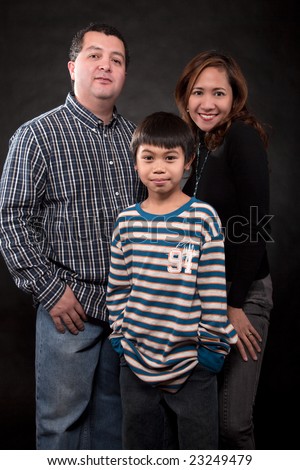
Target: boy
pixel 167 298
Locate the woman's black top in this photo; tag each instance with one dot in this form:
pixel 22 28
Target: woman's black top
pixel 235 181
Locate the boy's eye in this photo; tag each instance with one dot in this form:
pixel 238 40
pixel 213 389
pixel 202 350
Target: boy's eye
pixel 170 157
pixel 147 157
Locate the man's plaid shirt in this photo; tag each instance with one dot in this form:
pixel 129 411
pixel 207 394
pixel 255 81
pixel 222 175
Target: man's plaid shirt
pixel 65 179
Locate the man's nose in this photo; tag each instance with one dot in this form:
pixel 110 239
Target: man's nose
pixel 104 64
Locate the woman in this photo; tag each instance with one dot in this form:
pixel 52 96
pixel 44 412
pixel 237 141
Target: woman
pixel 231 173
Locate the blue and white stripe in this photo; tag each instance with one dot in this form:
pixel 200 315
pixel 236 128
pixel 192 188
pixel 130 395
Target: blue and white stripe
pixel 167 293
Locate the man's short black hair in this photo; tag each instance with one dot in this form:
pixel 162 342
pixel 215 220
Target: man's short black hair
pixel 77 41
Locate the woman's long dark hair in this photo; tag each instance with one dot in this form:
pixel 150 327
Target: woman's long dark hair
pixel 239 87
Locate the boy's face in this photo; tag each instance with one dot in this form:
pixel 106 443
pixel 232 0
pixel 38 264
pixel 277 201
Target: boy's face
pixel 161 169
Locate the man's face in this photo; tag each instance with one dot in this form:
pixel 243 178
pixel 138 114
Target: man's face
pixel 99 70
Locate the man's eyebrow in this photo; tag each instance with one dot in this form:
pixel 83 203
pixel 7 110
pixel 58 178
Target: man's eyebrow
pixel 97 48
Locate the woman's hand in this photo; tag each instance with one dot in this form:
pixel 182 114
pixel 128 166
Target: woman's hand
pixel 249 338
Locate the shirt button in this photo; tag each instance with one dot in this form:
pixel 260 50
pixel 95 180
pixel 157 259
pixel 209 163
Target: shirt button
pixel 111 162
pixel 117 193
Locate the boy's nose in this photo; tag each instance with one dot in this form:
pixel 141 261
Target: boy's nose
pixel 159 168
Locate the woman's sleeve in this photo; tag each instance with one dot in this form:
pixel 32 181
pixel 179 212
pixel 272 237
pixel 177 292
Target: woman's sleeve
pixel 249 166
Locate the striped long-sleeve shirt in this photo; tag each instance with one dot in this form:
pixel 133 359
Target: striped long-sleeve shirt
pixel 66 177
pixel 167 293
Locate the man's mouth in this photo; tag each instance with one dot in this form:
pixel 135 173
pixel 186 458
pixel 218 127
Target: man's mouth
pixel 103 79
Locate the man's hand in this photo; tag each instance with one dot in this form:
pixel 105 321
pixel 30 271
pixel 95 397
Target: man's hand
pixel 68 312
pixel 249 338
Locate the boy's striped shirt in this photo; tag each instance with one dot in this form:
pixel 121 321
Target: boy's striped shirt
pixel 167 293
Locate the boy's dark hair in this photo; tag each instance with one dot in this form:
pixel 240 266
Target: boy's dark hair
pixel 77 41
pixel 165 130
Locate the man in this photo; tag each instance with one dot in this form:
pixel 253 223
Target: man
pixel 67 175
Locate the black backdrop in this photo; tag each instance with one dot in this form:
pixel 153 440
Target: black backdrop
pixel 162 35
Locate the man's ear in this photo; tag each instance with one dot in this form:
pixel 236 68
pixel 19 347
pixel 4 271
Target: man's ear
pixel 71 67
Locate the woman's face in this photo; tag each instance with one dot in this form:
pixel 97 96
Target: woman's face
pixel 211 98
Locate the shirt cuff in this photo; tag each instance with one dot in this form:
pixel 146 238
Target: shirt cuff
pixel 48 291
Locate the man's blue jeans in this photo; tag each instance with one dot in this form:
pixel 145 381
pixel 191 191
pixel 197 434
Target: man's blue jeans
pixel 78 403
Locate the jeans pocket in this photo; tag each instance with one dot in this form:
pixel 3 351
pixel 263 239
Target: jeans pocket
pixel 204 369
pixel 260 294
pixel 123 362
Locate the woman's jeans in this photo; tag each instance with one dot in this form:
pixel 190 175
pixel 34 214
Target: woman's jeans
pixel 78 404
pixel 238 380
pixel 154 419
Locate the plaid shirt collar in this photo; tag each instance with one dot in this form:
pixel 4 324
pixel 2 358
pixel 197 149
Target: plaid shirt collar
pixel 87 117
